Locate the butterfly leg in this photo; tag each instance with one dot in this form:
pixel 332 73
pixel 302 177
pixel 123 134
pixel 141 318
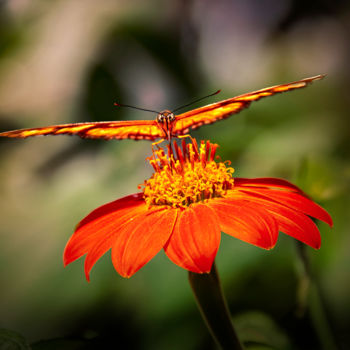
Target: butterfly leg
pixel 156 144
pixel 183 136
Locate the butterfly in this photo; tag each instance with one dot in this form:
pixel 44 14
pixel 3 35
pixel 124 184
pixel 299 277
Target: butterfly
pixel 166 125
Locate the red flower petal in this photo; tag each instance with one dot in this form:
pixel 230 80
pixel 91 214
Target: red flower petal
pixel 246 221
pixel 107 237
pixel 95 233
pixel 267 182
pixel 141 239
pixel 294 201
pixel 195 240
pixel 297 225
pixel 119 204
pixel 291 222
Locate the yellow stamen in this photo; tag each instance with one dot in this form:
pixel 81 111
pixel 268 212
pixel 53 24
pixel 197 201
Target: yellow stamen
pixel 188 176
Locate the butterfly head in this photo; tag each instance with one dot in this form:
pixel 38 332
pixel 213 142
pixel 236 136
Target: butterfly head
pixel 165 120
pixel 165 117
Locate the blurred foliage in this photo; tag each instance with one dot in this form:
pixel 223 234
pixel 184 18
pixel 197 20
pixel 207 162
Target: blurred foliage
pixel 10 340
pixel 65 61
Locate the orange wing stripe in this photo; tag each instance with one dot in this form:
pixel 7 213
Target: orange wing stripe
pixel 223 109
pixel 208 116
pixel 138 130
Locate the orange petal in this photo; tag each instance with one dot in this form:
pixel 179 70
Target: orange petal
pixel 195 240
pixel 294 201
pixel 246 221
pixel 107 236
pixel 120 204
pixel 97 230
pixel 141 239
pixel 267 182
pixel 291 222
pixel 296 225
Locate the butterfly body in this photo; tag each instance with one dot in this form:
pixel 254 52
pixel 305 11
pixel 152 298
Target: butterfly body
pixel 166 125
pixel 166 120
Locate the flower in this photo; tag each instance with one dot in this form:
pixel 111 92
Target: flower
pixel 184 206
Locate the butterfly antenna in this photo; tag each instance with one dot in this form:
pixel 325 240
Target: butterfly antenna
pixel 199 99
pixel 140 109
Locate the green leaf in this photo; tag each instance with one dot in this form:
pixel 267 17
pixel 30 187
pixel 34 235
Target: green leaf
pixel 258 331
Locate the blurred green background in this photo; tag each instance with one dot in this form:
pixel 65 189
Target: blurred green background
pixel 68 61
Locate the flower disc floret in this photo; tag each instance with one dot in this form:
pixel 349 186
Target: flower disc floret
pixel 187 176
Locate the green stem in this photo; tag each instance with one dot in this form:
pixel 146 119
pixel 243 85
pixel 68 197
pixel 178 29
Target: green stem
pixel 310 293
pixel 212 305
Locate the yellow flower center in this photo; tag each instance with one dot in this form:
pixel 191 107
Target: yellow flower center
pixel 187 176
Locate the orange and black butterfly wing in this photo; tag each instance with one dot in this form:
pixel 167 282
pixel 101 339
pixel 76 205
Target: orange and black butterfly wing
pixel 136 130
pixel 211 113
